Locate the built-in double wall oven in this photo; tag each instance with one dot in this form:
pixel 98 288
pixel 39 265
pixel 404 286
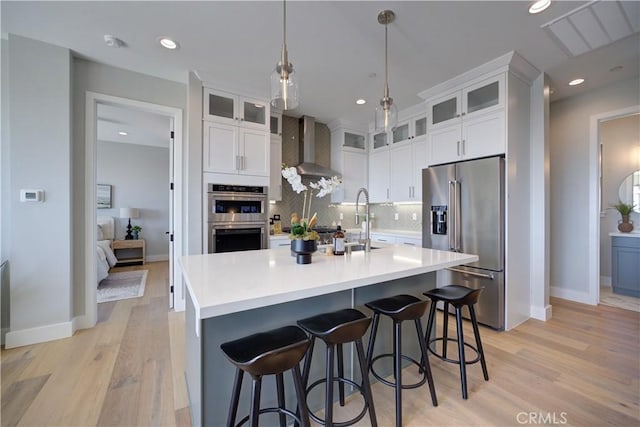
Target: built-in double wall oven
pixel 237 218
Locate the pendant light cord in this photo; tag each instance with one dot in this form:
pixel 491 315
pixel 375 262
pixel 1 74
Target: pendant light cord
pixel 386 71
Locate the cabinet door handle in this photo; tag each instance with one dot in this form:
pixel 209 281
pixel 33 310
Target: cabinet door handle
pixel 457 115
pixel 464 151
pixel 463 113
pixel 409 191
pixel 242 162
pixel 387 193
pixel 237 162
pixel 458 147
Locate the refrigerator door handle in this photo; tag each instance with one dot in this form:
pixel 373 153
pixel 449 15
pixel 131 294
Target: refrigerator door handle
pixel 458 215
pixel 452 215
pixel 489 276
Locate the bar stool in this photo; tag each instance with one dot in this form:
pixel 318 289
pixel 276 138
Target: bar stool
pixel 335 329
pixel 400 308
pixel 268 353
pixel 458 296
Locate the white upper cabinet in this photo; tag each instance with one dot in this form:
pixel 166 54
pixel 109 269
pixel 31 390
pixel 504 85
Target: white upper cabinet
pixel 224 107
pixel 379 191
pixel 469 122
pixel 349 157
pixel 379 141
pixel 275 123
pixel 408 130
pixel 405 171
pixel 478 98
pixel 234 150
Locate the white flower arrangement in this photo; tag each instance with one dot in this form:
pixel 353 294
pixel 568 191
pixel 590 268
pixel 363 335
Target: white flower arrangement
pixel 302 227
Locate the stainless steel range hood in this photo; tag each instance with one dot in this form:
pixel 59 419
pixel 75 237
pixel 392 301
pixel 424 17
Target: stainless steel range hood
pixel 307 166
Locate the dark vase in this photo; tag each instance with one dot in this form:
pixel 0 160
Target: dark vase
pixel 135 235
pixel 303 250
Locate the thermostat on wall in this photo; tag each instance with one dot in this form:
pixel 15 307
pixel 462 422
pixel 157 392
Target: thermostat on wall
pixel 31 195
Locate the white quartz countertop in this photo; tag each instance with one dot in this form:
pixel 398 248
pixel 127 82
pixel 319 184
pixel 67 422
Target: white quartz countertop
pixel 226 283
pixel 634 233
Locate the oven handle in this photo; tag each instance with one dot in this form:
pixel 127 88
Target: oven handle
pixel 237 196
pixel 244 230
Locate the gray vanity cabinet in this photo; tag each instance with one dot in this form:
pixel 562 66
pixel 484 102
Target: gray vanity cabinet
pixel 625 265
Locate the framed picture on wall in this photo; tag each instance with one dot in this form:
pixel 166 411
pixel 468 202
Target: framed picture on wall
pixel 103 196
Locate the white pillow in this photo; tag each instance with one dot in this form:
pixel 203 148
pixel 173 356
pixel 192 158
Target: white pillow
pixel 105 245
pixel 99 233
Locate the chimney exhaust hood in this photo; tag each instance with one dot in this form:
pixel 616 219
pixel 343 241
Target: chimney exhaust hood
pixel 307 166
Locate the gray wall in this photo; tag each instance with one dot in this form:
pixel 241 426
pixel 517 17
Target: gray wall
pixel 39 151
pixel 569 163
pixel 139 176
pixel 192 225
pixel 104 79
pixel 620 140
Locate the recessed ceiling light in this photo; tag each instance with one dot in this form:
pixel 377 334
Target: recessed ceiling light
pixel 361 101
pixel 168 43
pixel 123 133
pixel 576 82
pixel 539 6
pixel 112 41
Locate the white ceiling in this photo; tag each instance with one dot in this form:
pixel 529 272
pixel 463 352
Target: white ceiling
pixel 141 127
pixel 334 46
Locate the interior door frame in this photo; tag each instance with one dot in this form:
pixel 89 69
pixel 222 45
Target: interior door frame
pixel 90 212
pixel 594 195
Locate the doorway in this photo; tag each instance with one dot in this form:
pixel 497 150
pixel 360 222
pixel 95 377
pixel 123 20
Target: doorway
pixel 93 102
pixel 598 205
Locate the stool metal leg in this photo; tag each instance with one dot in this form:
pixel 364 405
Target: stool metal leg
pixel 340 373
pixel 307 362
pixel 372 338
pixel 256 385
pixel 328 403
pixel 425 363
pixel 463 365
pixel 445 329
pixel 233 409
pixel 281 404
pixel 476 332
pixel 397 366
pixel 302 412
pixel 366 385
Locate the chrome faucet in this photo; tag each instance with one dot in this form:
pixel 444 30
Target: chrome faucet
pixel 367 239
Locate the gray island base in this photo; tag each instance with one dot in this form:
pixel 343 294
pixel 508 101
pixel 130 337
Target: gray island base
pixel 224 304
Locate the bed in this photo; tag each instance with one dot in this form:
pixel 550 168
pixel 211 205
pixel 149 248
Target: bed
pixel 105 257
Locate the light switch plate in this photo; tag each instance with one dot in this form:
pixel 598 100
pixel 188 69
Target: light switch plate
pixel 341 215
pixel 414 216
pixel 396 216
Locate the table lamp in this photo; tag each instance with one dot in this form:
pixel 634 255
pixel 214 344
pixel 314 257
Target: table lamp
pixel 129 213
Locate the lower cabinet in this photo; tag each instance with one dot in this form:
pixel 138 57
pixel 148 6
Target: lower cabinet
pixel 279 240
pixel 625 265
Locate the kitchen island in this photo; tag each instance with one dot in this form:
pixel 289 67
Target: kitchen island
pixel 231 295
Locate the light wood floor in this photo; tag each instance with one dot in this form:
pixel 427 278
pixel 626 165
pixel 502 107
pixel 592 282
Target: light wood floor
pixel 581 368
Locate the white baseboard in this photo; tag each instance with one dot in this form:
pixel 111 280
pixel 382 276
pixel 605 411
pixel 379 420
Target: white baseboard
pixel 571 295
pixel 541 313
pixel 38 334
pixel 605 281
pixel 81 322
pixel 3 332
pixel 156 258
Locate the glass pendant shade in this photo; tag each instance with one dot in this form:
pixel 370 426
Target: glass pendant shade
pixel 386 118
pixel 285 94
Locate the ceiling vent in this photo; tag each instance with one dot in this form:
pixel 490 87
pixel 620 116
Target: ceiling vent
pixel 594 25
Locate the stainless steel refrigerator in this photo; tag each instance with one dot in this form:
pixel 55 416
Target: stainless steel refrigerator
pixel 463 211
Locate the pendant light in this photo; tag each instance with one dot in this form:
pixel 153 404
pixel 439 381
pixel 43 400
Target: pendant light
pixel 284 84
pixel 386 112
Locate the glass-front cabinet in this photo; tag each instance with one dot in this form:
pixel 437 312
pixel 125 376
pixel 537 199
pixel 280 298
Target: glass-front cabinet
pixel 379 140
pixel 410 129
pixel 479 98
pixel 354 140
pixel 275 123
pixel 224 107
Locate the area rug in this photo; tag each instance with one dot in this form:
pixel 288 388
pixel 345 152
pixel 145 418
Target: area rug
pixel 122 285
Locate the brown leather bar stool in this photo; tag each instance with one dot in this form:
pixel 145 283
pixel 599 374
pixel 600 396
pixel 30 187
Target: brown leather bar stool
pixel 268 353
pixel 400 308
pixel 335 329
pixel 458 297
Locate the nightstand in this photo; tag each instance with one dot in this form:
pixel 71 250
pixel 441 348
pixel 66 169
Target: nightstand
pixel 128 251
